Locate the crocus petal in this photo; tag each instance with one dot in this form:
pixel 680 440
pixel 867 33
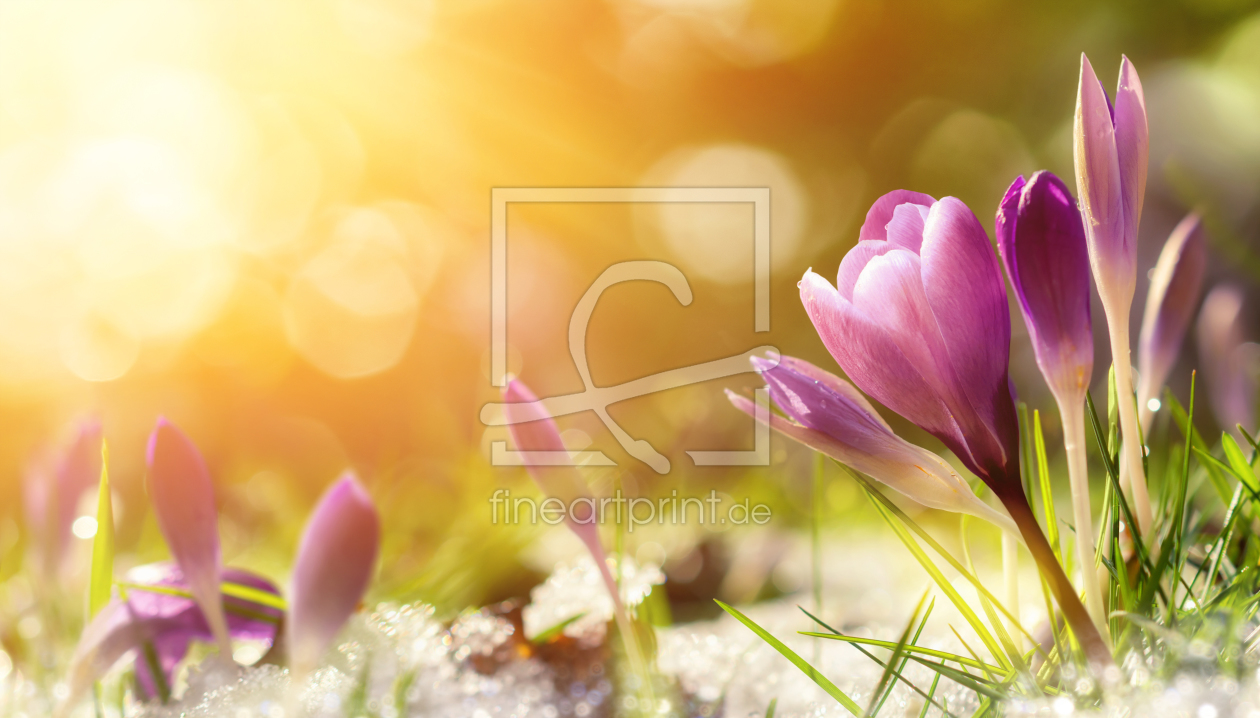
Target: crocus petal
pixel 51 492
pixel 839 427
pixel 335 562
pixel 873 360
pixel 1224 358
pixel 881 213
pixel 1098 180
pixel 1041 241
pixel 855 261
pixel 169 623
pixel 906 228
pixel 827 379
pixel 1170 305
pixel 1132 149
pixel 964 288
pixel 533 429
pixel 183 502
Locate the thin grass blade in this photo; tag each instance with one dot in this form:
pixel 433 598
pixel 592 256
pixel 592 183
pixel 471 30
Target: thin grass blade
pixel 796 660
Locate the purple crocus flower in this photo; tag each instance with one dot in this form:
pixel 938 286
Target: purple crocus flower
pixel 158 615
pixel 51 494
pixel 1170 305
pixel 918 320
pixel 335 563
pixel 1111 149
pixel 1041 241
pixel 1226 360
pixel 183 502
pixel 829 415
pixel 1042 244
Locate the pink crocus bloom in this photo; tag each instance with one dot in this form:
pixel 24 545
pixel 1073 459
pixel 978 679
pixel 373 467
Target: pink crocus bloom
pixel 1171 301
pixel 51 493
pixel 335 563
pixel 1227 360
pixel 182 493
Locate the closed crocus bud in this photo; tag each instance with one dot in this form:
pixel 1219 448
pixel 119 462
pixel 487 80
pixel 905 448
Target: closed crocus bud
pixel 829 415
pixel 1042 244
pixel 1170 305
pixel 1226 360
pixel 335 563
pixel 183 502
pixel 1111 149
pixel 533 429
pixel 918 320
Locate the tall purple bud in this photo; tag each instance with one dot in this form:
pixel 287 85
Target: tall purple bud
pixel 1041 241
pixel 1170 305
pixel 1042 244
pixel 183 502
pixel 335 563
pixel 918 320
pixel 1111 149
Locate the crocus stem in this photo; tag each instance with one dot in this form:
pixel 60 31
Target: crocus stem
pixel 1133 442
pixel 1073 416
pixel 590 536
pixel 1010 572
pixel 1064 593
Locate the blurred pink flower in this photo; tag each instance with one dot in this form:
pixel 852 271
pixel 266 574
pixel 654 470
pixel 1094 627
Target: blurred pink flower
pixel 183 501
pixel 335 563
pixel 51 493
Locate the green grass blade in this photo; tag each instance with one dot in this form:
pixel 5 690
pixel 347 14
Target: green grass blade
pixel 1182 420
pixel 962 679
pixel 1013 654
pixel 1113 418
pixel 1239 463
pixel 770 709
pixel 253 595
pixel 877 696
pixel 1047 491
pixel 101 582
pixel 931 693
pixel 1114 478
pixel 990 643
pixel 836 634
pixel 918 650
pixel 973 653
pixel 555 630
pixel 892 508
pixel 1222 542
pixel 796 660
pixel 902 666
pixel 815 541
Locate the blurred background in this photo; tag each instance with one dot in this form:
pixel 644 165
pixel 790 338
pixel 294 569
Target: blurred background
pixel 269 222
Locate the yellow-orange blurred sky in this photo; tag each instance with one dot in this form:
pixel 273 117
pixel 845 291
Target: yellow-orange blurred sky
pixel 270 220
